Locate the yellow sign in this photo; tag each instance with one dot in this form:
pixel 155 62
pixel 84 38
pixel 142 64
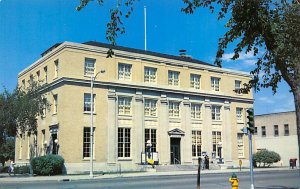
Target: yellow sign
pixel 150 161
pixel 240 162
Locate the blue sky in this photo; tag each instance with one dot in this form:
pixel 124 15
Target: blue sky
pixel 27 28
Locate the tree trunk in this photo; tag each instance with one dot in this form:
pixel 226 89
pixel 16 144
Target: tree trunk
pixel 297 109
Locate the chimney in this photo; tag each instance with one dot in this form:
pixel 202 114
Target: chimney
pixel 182 53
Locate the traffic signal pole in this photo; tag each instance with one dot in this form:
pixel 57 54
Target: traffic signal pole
pixel 251 160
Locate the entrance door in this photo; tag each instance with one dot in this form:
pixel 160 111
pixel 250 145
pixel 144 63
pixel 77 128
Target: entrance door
pixel 175 151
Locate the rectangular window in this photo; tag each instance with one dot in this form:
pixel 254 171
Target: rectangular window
pixel 263 131
pixel 196 111
pixel 124 105
pixel 217 138
pixel 196 143
pixel 56 68
pixel 276 132
pixel 150 134
pixel 215 83
pixel 237 86
pixel 240 143
pixel 216 113
pixel 38 75
pixel 89 67
pixel 255 130
pixel 286 130
pixel 45 75
pixel 173 78
pixel 55 104
pixel 87 142
pixel 31 79
pixel 124 71
pixel 150 107
pixel 44 147
pixel 150 75
pixel 124 142
pixel 195 81
pixel 87 102
pixel 173 109
pixel 239 114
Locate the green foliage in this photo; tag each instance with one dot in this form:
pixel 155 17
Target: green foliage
pixel 23 169
pixel 265 158
pixel 47 165
pixel 7 150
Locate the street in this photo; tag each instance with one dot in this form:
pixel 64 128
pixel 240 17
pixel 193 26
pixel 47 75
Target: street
pixel 263 180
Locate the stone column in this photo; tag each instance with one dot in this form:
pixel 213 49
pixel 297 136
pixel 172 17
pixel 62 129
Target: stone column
pixel 162 132
pixel 112 127
pixel 206 133
pixel 227 134
pixel 186 140
pixel 138 129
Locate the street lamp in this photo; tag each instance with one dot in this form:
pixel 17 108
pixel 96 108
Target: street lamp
pixel 92 118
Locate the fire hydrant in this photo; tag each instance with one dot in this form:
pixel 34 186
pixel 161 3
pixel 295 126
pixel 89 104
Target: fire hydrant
pixel 234 181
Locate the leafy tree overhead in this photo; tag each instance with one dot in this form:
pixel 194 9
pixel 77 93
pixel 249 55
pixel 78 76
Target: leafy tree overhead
pixel 269 29
pixel 19 111
pixel 7 150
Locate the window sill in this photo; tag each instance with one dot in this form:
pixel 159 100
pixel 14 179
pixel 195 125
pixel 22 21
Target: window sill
pixel 89 113
pixel 216 121
pixel 88 159
pixel 240 122
pixel 87 76
pixel 124 159
pixel 125 116
pixel 194 119
pixel 54 114
pixel 150 117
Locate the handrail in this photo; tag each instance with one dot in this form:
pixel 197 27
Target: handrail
pixel 175 159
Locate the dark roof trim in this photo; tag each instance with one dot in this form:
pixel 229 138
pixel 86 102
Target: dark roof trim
pixel 50 49
pixel 127 49
pixel 276 113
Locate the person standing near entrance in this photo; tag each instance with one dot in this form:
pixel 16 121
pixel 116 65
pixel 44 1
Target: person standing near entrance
pixel 206 160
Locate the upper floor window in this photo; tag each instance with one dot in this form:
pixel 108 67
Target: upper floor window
pixel 150 107
pixel 173 78
pixel 240 143
pixel 31 79
pixel 88 102
pixel 56 68
pixel 38 75
pixel 55 104
pixel 89 67
pixel 124 105
pixel 239 114
pixel 263 131
pixel 195 81
pixel 215 83
pixel 150 75
pixel 237 86
pixel 124 71
pixel 216 113
pixel 276 132
pixel 46 74
pixel 196 111
pixel 286 130
pixel 23 83
pixel 174 109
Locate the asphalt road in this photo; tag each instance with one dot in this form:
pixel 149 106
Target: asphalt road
pixel 263 180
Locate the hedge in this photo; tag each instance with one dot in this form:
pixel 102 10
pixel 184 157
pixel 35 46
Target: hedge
pixel 47 165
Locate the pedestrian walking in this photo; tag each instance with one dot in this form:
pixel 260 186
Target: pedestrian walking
pixel 206 162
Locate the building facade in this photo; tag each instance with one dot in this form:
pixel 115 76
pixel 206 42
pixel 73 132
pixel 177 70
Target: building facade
pixel 183 106
pixel 278 132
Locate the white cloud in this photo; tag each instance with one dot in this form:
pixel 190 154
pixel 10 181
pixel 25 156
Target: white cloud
pixel 266 100
pixel 246 60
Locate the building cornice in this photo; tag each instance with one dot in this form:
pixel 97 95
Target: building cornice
pixel 131 55
pixel 64 80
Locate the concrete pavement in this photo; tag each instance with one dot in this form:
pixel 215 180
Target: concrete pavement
pixel 5 178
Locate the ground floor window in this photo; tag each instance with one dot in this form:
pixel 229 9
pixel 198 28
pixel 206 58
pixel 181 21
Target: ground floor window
pixel 240 143
pixel 150 134
pixel 216 135
pixel 123 142
pixel 87 142
pixel 196 143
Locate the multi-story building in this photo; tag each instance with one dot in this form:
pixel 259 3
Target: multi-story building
pixel 278 132
pixel 182 105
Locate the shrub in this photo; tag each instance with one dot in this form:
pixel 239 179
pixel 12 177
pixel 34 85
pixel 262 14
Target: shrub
pixel 47 165
pixel 23 169
pixel 265 158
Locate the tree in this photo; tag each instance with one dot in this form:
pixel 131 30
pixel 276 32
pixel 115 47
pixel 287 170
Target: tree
pixel 7 150
pixel 19 111
pixel 265 158
pixel 269 29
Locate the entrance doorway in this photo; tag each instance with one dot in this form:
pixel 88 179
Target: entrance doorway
pixel 175 151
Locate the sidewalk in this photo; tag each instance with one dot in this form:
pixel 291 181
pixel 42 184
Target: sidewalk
pixel 5 178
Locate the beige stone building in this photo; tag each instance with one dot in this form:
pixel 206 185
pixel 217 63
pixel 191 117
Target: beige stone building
pixel 278 132
pixel 182 105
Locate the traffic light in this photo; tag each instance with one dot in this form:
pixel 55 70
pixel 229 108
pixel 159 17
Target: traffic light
pixel 250 122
